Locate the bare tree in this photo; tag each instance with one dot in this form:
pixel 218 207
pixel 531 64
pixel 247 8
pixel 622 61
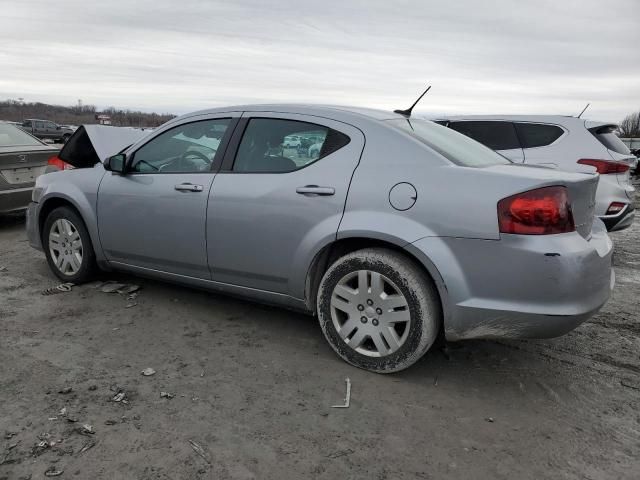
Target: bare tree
pixel 630 126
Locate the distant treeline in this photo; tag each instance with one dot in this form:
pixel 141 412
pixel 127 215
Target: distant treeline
pixel 16 111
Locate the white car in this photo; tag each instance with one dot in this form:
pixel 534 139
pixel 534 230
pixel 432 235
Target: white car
pixel 567 143
pixel 291 141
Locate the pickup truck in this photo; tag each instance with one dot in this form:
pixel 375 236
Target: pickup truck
pixel 46 129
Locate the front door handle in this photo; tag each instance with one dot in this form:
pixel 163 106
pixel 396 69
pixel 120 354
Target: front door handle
pixel 312 190
pixel 188 187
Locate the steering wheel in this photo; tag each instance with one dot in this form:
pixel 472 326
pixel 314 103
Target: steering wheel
pixel 193 153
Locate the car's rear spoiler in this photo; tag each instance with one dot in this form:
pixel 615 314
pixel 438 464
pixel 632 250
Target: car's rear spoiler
pixel 91 144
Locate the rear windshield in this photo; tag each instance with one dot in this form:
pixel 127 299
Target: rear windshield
pixel 607 137
pixel 12 136
pixel 452 145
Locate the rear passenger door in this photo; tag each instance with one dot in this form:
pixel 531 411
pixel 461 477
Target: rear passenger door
pixel 273 204
pixel 497 135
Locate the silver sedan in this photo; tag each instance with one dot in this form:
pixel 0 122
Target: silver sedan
pixel 394 231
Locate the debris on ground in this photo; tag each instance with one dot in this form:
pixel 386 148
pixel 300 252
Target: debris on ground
pixel 63 287
pixel 340 453
pixel 3 269
pixel 629 384
pixel 90 444
pixel 199 450
pixel 347 398
pixel 43 444
pixel 489 419
pixel 93 388
pixel 8 435
pixel 52 471
pixel 85 429
pixel 166 395
pixel 111 287
pixel 129 289
pixel 63 412
pixel 130 305
pixel 147 372
pixel 120 396
pixel 65 390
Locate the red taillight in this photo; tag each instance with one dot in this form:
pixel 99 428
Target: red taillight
pixel 604 167
pixel 61 164
pixel 615 207
pixel 543 211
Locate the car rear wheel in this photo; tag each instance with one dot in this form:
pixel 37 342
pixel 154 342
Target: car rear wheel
pixel 378 310
pixel 67 246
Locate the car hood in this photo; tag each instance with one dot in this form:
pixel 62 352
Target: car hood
pixel 91 144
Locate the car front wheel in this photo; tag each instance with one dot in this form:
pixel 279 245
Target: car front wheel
pixel 378 310
pixel 67 246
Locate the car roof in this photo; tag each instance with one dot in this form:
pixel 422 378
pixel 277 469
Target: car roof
pixel 337 112
pixel 566 120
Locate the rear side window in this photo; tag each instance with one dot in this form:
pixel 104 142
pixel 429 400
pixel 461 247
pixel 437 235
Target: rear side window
pixel 537 135
pixel 273 145
pixel 495 135
pixel 456 148
pixel 13 136
pixel 607 137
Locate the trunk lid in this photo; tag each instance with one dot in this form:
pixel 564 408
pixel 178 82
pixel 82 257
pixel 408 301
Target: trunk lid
pixel 19 167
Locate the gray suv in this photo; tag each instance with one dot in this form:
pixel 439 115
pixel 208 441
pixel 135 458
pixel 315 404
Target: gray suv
pixel 392 232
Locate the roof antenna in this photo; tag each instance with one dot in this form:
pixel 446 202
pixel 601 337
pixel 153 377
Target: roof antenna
pixel 407 112
pixel 583 110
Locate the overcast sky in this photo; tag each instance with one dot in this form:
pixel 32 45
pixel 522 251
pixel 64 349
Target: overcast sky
pixel 502 56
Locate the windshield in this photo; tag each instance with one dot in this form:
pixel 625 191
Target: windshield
pixel 12 136
pixel 452 145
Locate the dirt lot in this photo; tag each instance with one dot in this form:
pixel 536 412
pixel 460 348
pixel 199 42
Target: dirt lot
pixel 254 387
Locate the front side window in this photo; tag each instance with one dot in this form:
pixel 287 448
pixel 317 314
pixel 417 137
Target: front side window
pixel 39 124
pixel 186 148
pixel 456 148
pixel 51 125
pixel 537 135
pixel 495 135
pixel 271 145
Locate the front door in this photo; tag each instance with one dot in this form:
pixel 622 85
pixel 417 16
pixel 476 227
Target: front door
pixel 278 195
pixel 154 216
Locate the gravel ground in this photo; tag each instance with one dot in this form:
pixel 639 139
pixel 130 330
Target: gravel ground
pixel 253 388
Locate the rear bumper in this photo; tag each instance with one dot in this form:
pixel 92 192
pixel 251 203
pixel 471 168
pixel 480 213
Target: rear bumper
pixel 520 286
pixel 15 200
pixel 622 220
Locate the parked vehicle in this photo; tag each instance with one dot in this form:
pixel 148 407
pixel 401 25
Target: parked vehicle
pixel 23 158
pixel 46 129
pixel 415 231
pixel 568 143
pixel 291 141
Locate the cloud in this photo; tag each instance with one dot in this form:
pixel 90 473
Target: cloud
pixel 481 57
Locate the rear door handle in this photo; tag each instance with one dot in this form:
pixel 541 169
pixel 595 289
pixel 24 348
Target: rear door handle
pixel 188 187
pixel 312 190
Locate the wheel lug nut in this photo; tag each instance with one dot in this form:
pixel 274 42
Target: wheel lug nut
pixel 361 307
pixel 369 302
pixel 379 311
pixel 375 322
pixel 363 319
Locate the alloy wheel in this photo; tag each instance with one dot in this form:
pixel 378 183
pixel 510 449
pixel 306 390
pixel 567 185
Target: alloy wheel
pixel 370 313
pixel 65 247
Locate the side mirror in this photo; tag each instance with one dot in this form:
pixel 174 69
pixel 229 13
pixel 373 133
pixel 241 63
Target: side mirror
pixel 116 163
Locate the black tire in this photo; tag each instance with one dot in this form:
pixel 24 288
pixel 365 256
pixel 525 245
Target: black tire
pixel 422 300
pixel 88 265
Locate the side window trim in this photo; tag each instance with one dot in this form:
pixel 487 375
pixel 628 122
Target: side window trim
pixel 234 143
pixel 217 159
